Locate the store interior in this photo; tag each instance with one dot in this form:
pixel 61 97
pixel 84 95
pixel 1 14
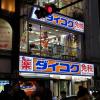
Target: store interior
pixel 50 42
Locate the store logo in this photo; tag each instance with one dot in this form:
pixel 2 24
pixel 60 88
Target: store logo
pixel 65 22
pixel 62 21
pixel 56 67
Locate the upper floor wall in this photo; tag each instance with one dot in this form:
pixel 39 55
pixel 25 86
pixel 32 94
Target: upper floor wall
pixel 92 31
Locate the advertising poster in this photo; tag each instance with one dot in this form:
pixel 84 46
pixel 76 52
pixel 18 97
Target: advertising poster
pixel 24 37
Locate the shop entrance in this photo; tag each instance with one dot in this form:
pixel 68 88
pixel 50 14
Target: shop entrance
pixel 61 85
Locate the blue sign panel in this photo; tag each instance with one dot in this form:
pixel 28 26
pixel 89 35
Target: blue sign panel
pixel 60 20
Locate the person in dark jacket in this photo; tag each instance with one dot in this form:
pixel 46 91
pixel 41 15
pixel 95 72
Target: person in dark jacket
pixel 83 94
pixel 98 96
pixel 63 95
pixel 44 92
pixel 17 93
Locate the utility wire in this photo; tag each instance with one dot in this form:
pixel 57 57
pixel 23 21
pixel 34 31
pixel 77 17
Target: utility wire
pixel 69 5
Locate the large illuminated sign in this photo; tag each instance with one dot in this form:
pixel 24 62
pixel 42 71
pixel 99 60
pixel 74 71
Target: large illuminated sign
pixel 43 65
pixel 65 22
pixel 60 20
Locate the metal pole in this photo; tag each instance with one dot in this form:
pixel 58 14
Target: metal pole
pixel 40 41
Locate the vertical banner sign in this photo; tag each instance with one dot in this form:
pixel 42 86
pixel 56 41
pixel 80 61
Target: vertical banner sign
pixel 5 35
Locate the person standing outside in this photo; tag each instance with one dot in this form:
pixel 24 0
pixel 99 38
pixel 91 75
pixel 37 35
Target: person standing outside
pixel 63 95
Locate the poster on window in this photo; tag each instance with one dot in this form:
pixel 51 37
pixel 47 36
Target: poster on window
pixel 23 37
pixel 5 35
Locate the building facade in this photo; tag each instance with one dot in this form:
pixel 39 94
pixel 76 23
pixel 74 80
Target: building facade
pixel 92 36
pixel 43 39
pixel 47 41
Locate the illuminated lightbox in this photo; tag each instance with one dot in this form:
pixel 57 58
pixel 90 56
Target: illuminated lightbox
pixel 59 20
pixel 51 66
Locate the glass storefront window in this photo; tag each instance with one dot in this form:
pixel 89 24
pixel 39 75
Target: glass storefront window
pixel 50 42
pixel 64 86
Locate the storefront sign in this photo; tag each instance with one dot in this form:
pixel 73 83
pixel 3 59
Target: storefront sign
pixel 65 22
pixel 52 66
pixel 87 69
pixel 5 35
pixel 61 20
pixel 26 63
pixel 80 78
pixel 66 77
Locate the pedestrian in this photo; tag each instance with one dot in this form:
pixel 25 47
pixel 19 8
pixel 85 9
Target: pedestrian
pixel 83 94
pixel 37 96
pixel 45 93
pixel 98 96
pixel 63 95
pixel 94 94
pixel 17 93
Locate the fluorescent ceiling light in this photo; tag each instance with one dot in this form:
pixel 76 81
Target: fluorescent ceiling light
pixel 49 32
pixel 50 37
pixel 57 30
pixel 63 35
pixel 33 74
pixel 51 0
